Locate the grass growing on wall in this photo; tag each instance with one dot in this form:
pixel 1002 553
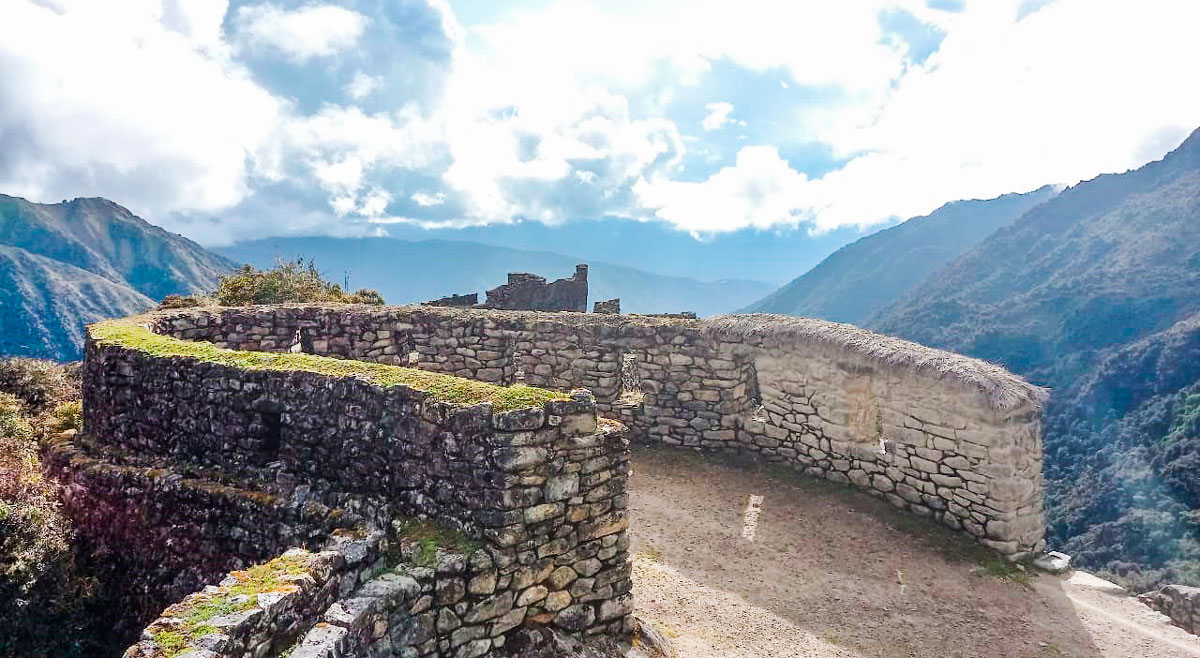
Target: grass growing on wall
pixel 445 388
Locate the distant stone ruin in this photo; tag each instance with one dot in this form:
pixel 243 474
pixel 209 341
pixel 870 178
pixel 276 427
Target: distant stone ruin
pixel 529 292
pixel 612 306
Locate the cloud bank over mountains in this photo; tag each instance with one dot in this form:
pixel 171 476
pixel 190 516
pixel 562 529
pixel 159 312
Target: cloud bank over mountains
pixel 243 119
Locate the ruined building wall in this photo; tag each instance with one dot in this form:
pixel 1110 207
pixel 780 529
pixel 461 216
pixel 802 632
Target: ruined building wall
pixel 172 440
pixel 936 433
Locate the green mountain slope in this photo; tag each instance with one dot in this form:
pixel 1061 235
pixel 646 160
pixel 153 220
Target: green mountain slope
pixel 866 276
pixel 414 271
pixel 106 239
pixel 1103 263
pixel 45 303
pixel 66 264
pixel 1096 293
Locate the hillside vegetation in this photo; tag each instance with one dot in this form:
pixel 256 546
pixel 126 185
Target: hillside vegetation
pixel 1095 293
pixel 866 276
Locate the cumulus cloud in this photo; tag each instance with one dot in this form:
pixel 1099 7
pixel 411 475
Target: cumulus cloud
pixel 362 85
pixel 291 116
pixel 300 34
pixel 107 99
pixel 718 115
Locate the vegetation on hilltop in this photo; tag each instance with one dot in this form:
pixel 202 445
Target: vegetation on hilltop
pixel 290 282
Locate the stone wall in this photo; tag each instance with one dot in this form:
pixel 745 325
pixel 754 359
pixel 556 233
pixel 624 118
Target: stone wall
pixel 540 488
pixel 531 292
pixel 1179 602
pixel 936 433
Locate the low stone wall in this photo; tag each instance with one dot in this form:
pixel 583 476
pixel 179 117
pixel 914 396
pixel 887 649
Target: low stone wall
pixel 937 433
pixel 1179 602
pixel 157 534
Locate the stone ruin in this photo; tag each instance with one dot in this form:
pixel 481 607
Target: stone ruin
pixel 430 481
pixel 530 292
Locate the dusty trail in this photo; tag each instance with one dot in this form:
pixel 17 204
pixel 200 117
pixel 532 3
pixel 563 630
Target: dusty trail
pixel 813 570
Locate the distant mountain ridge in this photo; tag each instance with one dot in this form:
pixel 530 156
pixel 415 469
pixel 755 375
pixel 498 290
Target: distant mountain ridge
pixel 864 277
pixel 413 271
pixel 67 264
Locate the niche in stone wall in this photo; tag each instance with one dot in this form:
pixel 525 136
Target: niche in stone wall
pixel 631 392
pixel 270 435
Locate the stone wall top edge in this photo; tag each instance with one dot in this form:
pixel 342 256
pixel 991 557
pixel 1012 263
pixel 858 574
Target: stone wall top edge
pixel 482 413
pixel 1001 389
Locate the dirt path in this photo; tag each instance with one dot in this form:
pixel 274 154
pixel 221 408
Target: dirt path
pixel 735 562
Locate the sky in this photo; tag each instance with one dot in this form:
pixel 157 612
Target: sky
pixel 236 120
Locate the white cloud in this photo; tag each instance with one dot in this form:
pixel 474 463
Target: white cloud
pixel 362 85
pixel 301 34
pixel 718 115
pixel 427 200
pixel 105 99
pixel 547 114
pixel 759 191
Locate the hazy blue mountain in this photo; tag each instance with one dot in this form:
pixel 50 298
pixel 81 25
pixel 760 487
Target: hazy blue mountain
pixel 66 264
pixel 405 271
pixel 868 275
pixel 773 255
pixel 1096 293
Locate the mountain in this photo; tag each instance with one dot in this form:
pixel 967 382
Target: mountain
pixel 44 304
pixel 866 276
pixel 407 271
pixel 1103 263
pixel 101 237
pixel 67 264
pixel 1096 293
pixel 772 255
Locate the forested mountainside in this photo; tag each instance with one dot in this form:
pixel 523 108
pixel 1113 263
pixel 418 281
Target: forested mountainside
pixel 1096 293
pixel 866 276
pixel 406 271
pixel 66 264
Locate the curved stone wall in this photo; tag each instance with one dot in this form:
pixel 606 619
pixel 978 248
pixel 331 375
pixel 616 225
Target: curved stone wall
pixel 933 432
pixel 205 450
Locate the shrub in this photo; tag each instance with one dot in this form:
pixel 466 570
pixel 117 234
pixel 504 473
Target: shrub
pixel 184 301
pixel 67 416
pixel 38 382
pixel 292 281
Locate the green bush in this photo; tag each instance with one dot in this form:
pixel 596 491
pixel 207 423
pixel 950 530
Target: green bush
pixel 40 383
pixel 67 416
pixel 287 282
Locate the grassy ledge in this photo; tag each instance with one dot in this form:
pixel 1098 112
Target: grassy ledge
pixel 444 388
pixel 195 612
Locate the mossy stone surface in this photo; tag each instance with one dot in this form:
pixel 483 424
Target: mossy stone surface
pixel 443 388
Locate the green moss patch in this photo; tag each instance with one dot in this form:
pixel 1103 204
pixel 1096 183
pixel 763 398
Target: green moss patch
pixel 428 537
pixel 445 388
pixel 196 612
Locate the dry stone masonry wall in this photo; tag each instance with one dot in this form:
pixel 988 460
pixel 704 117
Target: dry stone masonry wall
pixel 243 463
pixel 939 434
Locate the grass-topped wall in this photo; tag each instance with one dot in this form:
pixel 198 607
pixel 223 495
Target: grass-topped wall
pixel 130 335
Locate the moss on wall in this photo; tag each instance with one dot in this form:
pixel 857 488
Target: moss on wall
pixel 444 388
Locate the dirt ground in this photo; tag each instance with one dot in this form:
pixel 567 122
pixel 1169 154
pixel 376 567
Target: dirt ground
pixel 734 562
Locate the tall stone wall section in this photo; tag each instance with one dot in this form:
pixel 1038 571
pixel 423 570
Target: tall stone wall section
pixel 936 433
pixel 542 489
